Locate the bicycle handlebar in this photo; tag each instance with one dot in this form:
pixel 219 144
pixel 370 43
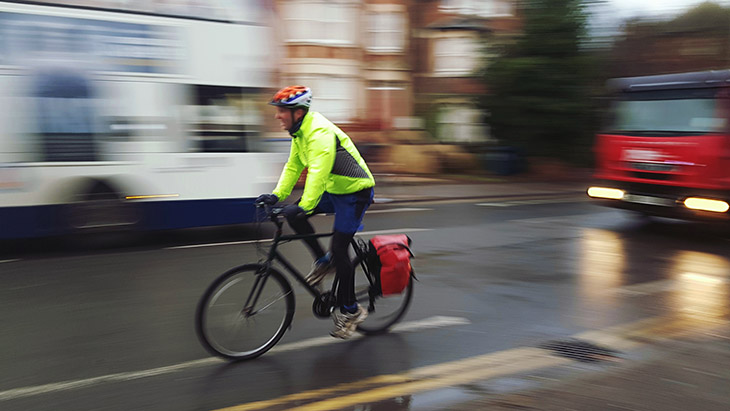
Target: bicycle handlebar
pixel 273 213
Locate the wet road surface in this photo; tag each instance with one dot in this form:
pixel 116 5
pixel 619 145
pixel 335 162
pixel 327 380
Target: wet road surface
pixel 112 329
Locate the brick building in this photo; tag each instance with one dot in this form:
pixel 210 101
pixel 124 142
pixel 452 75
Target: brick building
pixel 450 37
pixel 393 64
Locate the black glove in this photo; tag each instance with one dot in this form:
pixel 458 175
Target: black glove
pixel 268 199
pixel 293 211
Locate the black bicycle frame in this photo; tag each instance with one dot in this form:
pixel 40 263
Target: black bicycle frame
pixel 274 255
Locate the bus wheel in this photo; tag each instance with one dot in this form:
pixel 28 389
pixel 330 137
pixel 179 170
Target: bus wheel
pixel 100 219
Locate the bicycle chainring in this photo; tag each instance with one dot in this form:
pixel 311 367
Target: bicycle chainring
pixel 323 305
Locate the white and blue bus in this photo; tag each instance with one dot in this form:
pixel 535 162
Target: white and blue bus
pixel 132 119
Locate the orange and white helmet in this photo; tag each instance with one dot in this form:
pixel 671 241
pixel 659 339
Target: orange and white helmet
pixel 292 97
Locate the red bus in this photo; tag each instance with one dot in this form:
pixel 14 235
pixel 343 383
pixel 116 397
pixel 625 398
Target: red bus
pixel 666 150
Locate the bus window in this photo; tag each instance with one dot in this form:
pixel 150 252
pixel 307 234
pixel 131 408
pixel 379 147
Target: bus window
pixel 223 119
pixel 64 112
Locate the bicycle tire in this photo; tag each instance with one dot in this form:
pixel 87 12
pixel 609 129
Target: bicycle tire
pixel 220 324
pixel 385 311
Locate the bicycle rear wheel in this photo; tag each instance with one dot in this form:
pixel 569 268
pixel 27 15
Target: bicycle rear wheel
pixel 244 312
pixel 383 311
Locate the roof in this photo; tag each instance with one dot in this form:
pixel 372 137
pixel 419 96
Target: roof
pixel 698 79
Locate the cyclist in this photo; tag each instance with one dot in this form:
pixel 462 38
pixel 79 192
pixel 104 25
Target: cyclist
pixel 338 181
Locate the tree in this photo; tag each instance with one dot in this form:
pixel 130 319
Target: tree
pixel 695 40
pixel 539 87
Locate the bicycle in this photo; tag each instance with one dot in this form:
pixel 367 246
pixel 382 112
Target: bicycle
pixel 247 309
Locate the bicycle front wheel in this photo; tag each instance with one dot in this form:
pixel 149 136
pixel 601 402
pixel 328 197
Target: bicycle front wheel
pixel 245 312
pixel 383 311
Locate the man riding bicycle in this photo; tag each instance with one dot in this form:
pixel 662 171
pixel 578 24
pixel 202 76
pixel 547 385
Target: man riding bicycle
pixel 338 181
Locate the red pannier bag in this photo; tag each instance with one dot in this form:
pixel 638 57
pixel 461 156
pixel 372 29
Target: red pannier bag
pixel 390 262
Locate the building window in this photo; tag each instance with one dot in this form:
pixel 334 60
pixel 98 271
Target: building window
pixel 387 102
pixel 320 22
pixel 334 97
pixel 386 32
pixel 481 8
pixel 461 123
pixel 455 56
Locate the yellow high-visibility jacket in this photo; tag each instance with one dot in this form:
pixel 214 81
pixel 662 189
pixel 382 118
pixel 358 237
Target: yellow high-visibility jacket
pixel 334 164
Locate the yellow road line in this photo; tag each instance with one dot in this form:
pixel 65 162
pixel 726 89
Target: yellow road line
pixel 484 370
pixel 314 394
pixel 482 367
pixel 418 379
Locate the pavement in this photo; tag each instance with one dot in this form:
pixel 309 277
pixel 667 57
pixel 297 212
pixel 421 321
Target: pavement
pixel 398 188
pixel 689 373
pixel 682 372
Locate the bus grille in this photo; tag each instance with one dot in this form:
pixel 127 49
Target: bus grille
pixel 652 176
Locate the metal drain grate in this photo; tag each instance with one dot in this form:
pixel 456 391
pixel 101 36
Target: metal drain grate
pixel 580 350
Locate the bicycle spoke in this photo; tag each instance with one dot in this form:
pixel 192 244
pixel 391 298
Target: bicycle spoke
pixel 243 313
pixel 273 301
pixel 235 330
pixel 220 292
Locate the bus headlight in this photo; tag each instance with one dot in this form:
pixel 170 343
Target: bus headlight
pixel 605 192
pixel 706 204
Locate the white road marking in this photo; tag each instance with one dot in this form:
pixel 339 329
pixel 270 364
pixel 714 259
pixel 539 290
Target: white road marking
pixel 391 210
pixel 702 372
pixel 493 204
pixel 394 231
pixel 562 220
pixel 124 376
pixel 660 286
pixel 398 210
pixel 218 244
pixel 9 261
pixel 647 288
pixel 410 326
pixel 513 203
pixel 391 231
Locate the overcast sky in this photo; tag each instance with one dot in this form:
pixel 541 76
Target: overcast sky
pixel 607 17
pixel 633 8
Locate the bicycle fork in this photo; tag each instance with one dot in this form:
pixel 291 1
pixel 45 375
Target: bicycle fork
pixel 253 296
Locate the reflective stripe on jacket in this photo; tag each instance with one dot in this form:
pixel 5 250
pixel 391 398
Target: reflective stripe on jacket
pixel 334 164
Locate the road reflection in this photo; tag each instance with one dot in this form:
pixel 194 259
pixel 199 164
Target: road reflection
pixel 602 265
pixel 701 292
pixel 693 285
